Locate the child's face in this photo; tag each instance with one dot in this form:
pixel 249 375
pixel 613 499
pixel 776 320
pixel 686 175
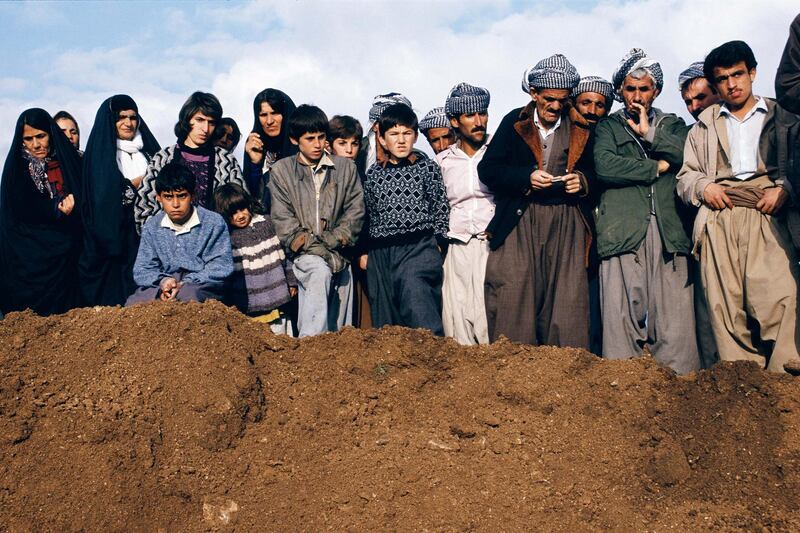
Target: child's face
pixel 346 147
pixel 177 204
pixel 241 218
pixel 311 145
pixel 398 141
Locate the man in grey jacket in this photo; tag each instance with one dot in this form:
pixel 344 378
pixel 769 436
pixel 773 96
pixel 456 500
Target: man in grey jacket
pixel 317 210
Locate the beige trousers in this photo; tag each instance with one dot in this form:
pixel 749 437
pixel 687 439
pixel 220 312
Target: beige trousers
pixel 463 308
pixel 749 276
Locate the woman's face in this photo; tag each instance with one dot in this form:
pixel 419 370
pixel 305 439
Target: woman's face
pixel 270 120
pixel 127 123
pixel 36 141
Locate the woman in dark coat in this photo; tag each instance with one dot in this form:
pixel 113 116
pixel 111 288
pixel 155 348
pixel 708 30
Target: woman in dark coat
pixel 40 227
pixel 119 148
pixel 269 140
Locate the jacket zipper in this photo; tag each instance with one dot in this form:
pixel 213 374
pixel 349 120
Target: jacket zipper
pixel 652 186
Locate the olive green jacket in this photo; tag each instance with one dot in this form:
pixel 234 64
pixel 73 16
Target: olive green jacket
pixel 626 167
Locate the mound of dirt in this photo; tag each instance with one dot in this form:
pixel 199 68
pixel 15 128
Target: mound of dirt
pixel 172 417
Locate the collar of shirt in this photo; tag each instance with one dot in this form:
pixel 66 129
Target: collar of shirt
pixel 544 131
pixel 760 105
pixel 180 229
pixel 324 162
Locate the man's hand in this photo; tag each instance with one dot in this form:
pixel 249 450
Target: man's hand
pixel 67 204
pixel 714 197
pixel 298 242
pixel 772 201
pixel 169 289
pixel 643 126
pixel 541 180
pixel 137 182
pixel 254 147
pixel 663 166
pixel 362 262
pixel 572 183
pixel 292 292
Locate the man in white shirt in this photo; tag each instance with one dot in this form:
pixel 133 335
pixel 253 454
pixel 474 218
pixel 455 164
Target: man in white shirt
pixel 471 210
pixel 733 172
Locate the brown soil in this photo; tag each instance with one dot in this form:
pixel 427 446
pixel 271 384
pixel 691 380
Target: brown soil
pixel 191 418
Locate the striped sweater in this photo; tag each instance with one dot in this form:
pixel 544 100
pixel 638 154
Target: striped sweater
pixel 262 273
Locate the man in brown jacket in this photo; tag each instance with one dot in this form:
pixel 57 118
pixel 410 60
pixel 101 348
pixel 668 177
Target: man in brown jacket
pixel 730 171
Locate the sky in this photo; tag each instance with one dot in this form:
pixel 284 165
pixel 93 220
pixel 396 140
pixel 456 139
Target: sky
pixel 339 54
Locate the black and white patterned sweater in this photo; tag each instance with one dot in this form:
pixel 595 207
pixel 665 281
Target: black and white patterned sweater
pixel 406 198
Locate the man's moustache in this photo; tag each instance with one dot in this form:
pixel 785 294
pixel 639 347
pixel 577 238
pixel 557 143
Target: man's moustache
pixel 476 130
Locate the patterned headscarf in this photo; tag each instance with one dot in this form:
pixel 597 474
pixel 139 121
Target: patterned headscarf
pixel 466 98
pixel 382 101
pixel 695 70
pixel 634 60
pixel 554 72
pixel 595 84
pixel 434 119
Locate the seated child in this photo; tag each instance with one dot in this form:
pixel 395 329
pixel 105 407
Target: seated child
pixel 408 216
pixel 344 136
pixel 317 210
pixel 185 251
pixel 262 281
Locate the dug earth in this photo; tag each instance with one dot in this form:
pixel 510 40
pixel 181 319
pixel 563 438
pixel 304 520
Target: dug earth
pixel 189 417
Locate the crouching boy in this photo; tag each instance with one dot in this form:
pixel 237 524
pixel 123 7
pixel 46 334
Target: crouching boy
pixel 408 216
pixel 317 210
pixel 185 251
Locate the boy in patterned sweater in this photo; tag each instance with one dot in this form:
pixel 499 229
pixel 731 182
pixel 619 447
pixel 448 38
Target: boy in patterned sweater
pixel 408 212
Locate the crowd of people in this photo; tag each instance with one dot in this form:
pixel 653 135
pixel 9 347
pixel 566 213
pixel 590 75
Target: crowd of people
pixel 571 226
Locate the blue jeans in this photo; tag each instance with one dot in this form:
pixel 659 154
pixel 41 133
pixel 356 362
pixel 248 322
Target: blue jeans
pixel 323 298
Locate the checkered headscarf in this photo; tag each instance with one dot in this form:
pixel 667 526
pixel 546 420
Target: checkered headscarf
pixel 466 98
pixel 434 119
pixel 695 70
pixel 634 60
pixel 382 101
pixel 554 72
pixel 595 84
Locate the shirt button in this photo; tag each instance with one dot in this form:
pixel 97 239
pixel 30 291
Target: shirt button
pixel 519 212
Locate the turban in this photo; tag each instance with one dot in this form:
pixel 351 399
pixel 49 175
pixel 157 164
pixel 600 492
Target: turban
pixel 382 101
pixel 554 72
pixel 594 84
pixel 434 119
pixel 466 98
pixel 695 70
pixel 634 60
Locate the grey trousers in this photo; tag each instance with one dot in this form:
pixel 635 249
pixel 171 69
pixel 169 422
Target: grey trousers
pixel 405 285
pixel 647 300
pixel 324 299
pixel 190 292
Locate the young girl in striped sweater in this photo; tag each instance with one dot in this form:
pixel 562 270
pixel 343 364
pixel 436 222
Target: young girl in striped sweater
pixel 262 284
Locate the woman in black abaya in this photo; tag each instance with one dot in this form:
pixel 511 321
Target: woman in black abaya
pixel 269 140
pixel 119 148
pixel 40 228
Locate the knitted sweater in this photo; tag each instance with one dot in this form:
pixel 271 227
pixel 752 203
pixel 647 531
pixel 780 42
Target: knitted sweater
pixel 406 198
pixel 262 274
pixel 201 255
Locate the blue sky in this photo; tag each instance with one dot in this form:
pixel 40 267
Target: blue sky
pixel 338 54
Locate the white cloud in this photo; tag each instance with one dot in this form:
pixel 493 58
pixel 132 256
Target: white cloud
pixel 338 54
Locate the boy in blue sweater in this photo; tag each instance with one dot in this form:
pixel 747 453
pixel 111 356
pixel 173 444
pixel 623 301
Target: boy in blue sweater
pixel 185 251
pixel 408 222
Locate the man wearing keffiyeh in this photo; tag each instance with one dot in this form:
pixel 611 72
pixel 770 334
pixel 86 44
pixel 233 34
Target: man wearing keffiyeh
pixel 536 287
pixel 642 236
pixel 436 128
pixel 696 92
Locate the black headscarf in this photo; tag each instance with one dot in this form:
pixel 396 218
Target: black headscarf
pixel 103 183
pixel 38 245
pixel 281 145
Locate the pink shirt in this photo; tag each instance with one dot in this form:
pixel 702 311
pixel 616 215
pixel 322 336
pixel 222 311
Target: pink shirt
pixel 471 203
